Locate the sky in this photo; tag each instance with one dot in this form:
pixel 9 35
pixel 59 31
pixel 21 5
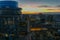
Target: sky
pixel 36 6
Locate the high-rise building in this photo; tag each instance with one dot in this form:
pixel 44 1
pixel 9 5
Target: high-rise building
pixel 9 20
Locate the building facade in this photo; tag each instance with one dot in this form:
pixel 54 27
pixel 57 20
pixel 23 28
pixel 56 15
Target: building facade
pixel 9 20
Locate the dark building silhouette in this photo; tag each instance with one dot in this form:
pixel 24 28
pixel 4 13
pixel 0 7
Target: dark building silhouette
pixel 9 20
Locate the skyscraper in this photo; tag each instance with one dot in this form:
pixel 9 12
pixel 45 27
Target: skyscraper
pixel 9 19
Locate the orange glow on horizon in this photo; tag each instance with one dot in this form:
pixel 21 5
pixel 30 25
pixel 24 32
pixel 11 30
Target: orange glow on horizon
pixel 29 12
pixel 54 10
pixel 35 10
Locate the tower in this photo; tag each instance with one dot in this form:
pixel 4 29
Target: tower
pixel 9 19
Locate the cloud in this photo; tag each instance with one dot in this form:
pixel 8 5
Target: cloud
pixel 58 6
pixel 47 6
pixel 43 6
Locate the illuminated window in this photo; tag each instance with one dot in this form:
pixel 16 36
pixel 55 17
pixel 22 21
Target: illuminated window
pixel 23 24
pixel 5 22
pixel 10 21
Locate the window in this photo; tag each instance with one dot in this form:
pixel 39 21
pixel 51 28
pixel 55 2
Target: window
pixel 10 21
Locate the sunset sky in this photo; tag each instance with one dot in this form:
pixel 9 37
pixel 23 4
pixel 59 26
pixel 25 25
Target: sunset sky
pixel 36 6
pixel 32 6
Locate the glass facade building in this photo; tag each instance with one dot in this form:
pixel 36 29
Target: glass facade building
pixel 9 20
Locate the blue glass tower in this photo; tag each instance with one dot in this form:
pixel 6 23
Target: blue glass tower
pixel 9 20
